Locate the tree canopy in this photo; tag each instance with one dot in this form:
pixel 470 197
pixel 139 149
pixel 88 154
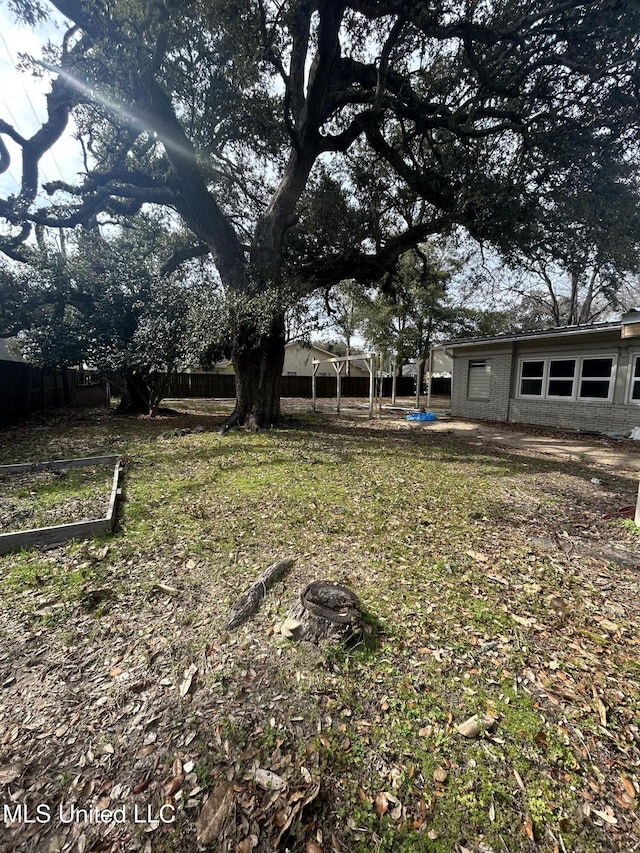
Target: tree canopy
pixel 308 141
pixel 90 299
pixel 400 318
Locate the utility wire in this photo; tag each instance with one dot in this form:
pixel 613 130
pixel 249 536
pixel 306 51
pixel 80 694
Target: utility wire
pixel 33 109
pixel 11 115
pixel 24 89
pixel 15 124
pixel 13 177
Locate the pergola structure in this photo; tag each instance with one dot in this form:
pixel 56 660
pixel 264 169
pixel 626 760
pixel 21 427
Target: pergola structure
pixel 339 363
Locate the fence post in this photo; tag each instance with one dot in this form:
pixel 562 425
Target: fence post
pixel 316 365
pixel 394 380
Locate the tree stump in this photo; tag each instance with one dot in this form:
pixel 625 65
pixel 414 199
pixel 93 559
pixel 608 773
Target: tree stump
pixel 327 611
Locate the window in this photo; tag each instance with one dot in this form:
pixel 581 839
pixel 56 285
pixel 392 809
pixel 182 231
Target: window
pixel 595 378
pixel 561 377
pixel 635 381
pixel 573 378
pixel 479 380
pixel 531 376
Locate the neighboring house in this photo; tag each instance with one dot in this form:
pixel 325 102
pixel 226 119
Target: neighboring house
pixel 298 361
pixel 441 364
pixel 579 377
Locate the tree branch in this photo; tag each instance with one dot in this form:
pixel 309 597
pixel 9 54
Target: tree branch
pixel 180 256
pixel 12 133
pixel 5 157
pixel 196 204
pixel 363 267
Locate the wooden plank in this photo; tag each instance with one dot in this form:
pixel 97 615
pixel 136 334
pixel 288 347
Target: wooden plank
pixel 64 532
pixel 343 359
pixel 115 493
pixel 52 535
pixel 57 464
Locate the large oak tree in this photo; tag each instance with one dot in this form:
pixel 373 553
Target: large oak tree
pixel 414 115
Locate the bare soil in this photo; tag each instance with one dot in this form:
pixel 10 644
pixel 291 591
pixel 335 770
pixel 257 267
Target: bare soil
pixel 503 584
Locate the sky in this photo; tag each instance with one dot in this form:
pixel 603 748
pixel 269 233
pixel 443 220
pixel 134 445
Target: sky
pixel 23 104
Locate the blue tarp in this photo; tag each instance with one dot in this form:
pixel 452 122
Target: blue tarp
pixel 422 416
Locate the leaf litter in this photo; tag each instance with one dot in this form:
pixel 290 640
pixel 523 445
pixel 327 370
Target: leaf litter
pixel 46 498
pixel 494 618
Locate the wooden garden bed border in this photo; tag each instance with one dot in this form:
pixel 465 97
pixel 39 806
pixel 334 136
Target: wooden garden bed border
pixel 63 532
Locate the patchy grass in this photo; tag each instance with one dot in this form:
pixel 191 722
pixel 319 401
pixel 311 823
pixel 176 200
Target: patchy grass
pixel 46 498
pixel 122 687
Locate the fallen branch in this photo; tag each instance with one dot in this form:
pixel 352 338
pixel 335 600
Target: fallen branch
pixel 250 600
pixel 624 558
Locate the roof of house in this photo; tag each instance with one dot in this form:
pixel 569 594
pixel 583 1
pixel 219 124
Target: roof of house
pixel 556 332
pixel 326 352
pixel 357 359
pixel 302 345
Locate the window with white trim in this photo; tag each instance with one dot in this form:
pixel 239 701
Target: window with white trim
pixel 531 378
pixel 570 378
pixel 595 379
pixel 478 380
pixel 634 395
pixel 561 378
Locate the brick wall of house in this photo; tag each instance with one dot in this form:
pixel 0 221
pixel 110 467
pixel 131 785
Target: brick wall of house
pixel 504 404
pixel 496 408
pixel 590 416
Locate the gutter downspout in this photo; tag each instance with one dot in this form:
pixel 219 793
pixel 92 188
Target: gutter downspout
pixel 511 379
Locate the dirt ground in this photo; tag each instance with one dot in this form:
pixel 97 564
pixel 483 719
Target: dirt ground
pixel 118 699
pixel 565 444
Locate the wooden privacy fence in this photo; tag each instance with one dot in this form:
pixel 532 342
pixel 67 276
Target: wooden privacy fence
pixel 441 386
pixel 224 385
pixel 26 390
pixel 202 385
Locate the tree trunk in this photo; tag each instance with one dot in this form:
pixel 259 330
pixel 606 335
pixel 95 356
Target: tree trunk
pixel 258 359
pixel 394 380
pixel 420 368
pixel 135 396
pixel 328 611
pixel 158 387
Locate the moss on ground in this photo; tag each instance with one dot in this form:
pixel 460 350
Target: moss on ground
pixel 434 535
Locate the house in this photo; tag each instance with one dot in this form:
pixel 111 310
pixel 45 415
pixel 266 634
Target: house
pixel 441 364
pixel 298 361
pixel 578 377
